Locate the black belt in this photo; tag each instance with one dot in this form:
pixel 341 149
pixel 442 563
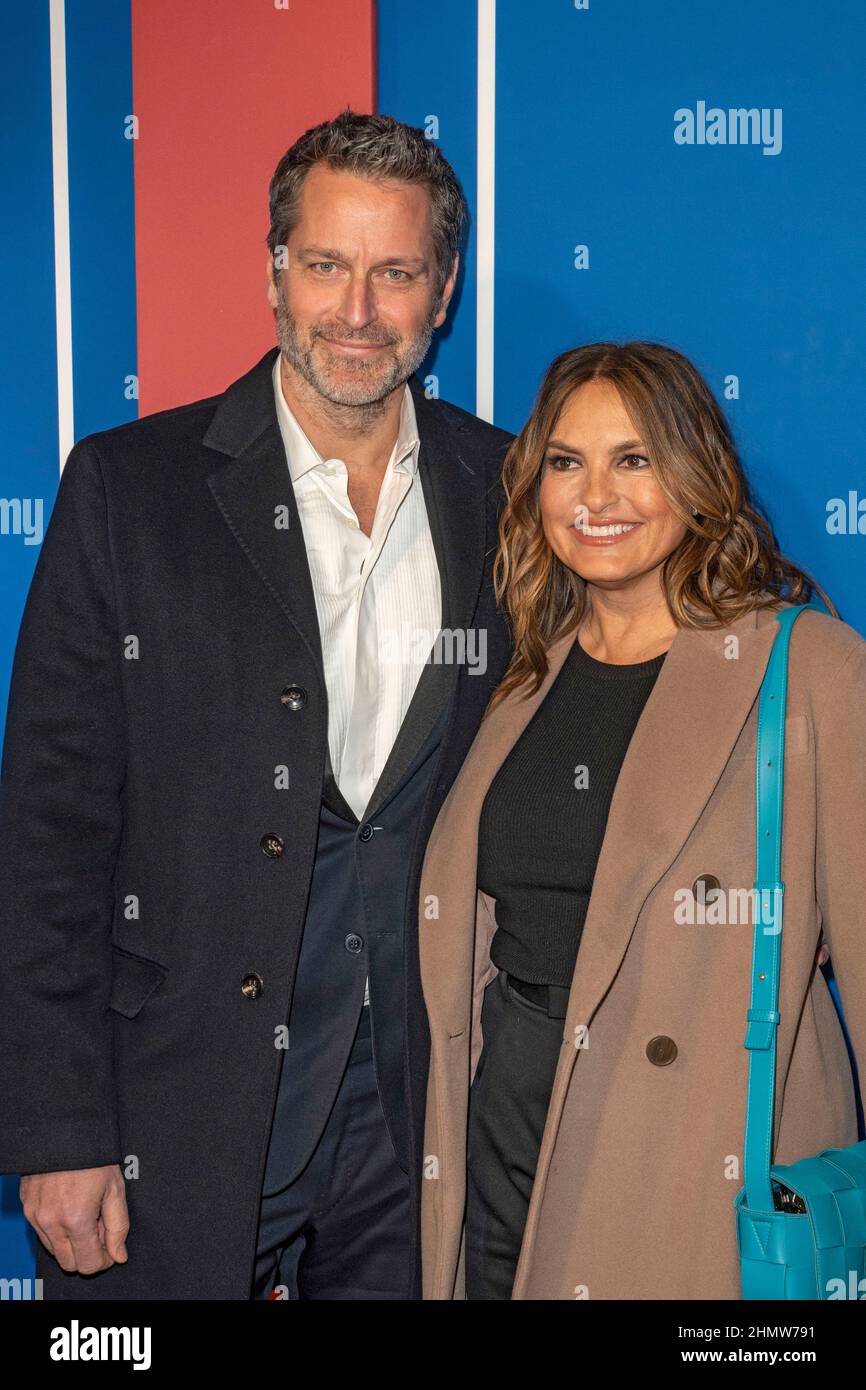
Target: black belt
pixel 552 998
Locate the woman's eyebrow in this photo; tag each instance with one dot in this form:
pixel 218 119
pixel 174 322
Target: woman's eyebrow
pixel 614 448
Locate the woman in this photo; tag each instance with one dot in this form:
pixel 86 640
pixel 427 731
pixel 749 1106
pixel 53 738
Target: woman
pixel 585 956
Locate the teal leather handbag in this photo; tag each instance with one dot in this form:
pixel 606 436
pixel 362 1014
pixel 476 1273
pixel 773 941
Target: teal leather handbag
pixel 801 1227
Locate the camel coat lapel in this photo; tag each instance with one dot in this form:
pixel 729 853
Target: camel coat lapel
pixel 695 718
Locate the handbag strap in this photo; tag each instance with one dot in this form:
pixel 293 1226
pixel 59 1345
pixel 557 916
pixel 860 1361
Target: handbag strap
pixel 769 890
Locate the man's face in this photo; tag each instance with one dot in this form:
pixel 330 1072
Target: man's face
pixel 354 302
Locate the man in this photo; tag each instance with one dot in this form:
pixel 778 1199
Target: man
pixel 224 754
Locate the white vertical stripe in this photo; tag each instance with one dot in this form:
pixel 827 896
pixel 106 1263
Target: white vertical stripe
pixel 485 209
pixel 62 272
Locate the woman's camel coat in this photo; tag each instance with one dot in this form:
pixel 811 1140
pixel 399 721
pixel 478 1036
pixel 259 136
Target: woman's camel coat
pixel 640 1161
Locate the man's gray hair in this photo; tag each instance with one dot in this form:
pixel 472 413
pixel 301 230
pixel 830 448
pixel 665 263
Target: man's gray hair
pixel 375 147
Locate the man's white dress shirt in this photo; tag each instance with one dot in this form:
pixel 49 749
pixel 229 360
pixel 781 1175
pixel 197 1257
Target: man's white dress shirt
pixel 378 597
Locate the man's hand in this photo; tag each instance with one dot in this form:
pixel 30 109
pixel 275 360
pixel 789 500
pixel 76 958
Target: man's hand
pixel 80 1216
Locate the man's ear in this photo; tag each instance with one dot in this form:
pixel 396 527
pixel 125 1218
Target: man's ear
pixel 447 291
pixel 272 289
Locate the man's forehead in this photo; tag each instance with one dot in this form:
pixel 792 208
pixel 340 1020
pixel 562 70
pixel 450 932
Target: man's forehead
pixel 324 183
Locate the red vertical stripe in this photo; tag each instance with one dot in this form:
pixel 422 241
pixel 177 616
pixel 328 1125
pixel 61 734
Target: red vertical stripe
pixel 221 89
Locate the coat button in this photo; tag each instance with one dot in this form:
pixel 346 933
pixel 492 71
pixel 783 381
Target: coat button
pixel 661 1050
pixel 366 832
pixel 354 943
pixel 704 885
pixel 252 985
pixel 272 845
pixel 295 696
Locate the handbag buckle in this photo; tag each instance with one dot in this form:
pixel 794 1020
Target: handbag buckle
pixel 787 1201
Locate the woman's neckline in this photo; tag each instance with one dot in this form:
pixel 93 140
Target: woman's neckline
pixel 614 669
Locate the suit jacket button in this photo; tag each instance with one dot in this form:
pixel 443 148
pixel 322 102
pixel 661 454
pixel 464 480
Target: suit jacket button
pixel 252 985
pixel 354 943
pixel 272 845
pixel 705 885
pixel 661 1050
pixel 366 832
pixel 295 696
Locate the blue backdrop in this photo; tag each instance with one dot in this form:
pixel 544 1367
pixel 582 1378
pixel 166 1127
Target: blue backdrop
pixel 686 173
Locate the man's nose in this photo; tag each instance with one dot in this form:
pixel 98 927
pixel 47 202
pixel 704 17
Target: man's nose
pixel 358 304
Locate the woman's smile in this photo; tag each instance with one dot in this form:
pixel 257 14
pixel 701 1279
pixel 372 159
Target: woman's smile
pixel 607 533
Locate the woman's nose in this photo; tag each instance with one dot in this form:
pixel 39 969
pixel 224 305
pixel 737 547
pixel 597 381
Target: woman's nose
pixel 595 493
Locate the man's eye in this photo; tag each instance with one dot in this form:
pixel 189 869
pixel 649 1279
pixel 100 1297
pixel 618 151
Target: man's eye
pixel 324 266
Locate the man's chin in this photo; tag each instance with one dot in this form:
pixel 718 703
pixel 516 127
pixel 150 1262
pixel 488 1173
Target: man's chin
pixel 347 380
pixel 355 387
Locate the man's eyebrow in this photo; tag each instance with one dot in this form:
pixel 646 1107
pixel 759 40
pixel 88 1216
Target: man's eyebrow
pixel 614 448
pixel 330 254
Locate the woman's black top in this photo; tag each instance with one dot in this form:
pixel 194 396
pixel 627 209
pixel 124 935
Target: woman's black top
pixel 543 819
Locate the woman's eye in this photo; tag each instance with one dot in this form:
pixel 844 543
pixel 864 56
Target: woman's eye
pixel 561 462
pixel 564 462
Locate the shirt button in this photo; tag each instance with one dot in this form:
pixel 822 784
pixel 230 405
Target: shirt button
pixel 354 943
pixel 366 832
pixel 272 845
pixel 661 1050
pixel 295 696
pixel 252 985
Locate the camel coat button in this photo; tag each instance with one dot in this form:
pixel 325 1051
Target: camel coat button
pixel 661 1050
pixel 705 885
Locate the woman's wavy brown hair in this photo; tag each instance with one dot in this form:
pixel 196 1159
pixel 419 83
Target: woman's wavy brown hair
pixel 726 564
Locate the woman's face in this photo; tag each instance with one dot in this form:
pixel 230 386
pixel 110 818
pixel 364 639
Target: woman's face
pixel 602 510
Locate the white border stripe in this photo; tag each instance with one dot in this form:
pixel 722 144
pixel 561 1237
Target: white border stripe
pixel 62 266
pixel 485 207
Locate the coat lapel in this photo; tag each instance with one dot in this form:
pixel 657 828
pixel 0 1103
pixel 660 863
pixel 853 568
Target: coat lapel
pixel 454 495
pixel 253 485
pixel 681 743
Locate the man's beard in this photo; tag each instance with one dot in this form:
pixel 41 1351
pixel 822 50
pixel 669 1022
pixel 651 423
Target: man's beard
pixel 360 381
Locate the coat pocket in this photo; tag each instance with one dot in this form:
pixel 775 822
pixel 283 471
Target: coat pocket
pixel 133 980
pixel 797 740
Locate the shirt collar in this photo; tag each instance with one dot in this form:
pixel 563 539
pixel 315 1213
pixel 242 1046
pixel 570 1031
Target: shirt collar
pixel 303 455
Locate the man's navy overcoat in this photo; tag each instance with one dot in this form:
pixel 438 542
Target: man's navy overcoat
pixel 170 611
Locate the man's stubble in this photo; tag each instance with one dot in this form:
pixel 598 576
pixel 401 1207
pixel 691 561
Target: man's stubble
pixel 364 390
